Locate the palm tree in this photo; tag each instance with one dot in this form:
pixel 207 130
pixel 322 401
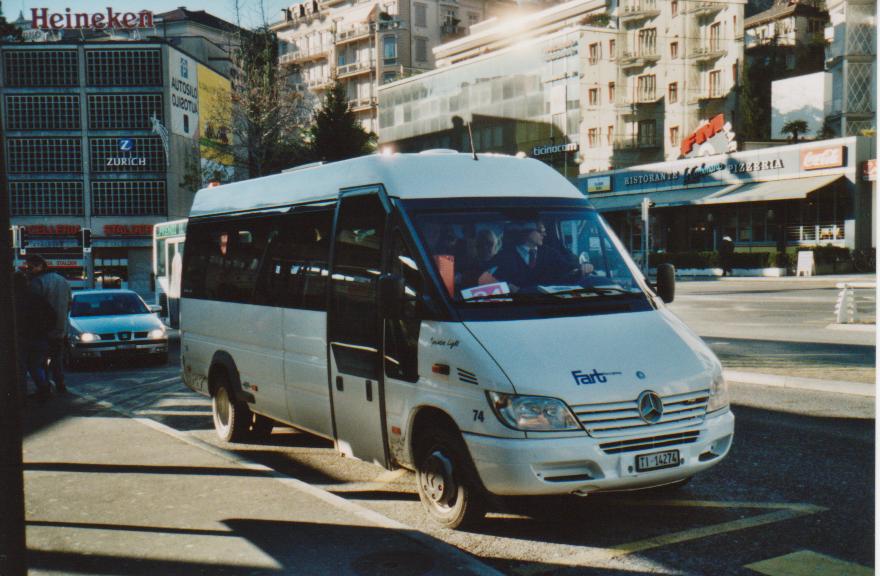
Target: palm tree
pixel 795 128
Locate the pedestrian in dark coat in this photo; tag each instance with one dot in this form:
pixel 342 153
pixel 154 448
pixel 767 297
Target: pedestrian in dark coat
pixel 725 254
pixel 54 288
pixel 34 317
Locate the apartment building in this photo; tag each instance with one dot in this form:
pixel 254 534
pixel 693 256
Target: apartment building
pixel 851 64
pixel 365 44
pixel 792 33
pixel 587 85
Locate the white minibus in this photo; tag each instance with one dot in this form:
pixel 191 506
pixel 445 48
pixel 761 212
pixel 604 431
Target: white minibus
pixel 469 317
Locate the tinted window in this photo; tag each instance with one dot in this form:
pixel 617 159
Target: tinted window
pixel 294 274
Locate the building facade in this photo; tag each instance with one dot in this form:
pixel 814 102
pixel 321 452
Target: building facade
pixel 792 32
pixel 851 89
pixel 606 84
pixel 365 44
pixel 102 135
pixel 766 200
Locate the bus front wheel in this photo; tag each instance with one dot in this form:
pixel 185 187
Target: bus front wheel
pixel 447 483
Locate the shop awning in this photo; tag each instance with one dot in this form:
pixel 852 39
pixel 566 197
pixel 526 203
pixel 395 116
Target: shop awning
pixel 681 197
pixel 786 189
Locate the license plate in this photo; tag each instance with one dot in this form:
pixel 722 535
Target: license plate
pixel 125 347
pixel 657 460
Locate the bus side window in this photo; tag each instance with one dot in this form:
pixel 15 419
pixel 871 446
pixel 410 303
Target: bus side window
pixel 402 334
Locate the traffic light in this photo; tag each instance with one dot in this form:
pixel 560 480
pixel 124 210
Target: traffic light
pixel 85 237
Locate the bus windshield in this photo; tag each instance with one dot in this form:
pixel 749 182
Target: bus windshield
pixel 558 255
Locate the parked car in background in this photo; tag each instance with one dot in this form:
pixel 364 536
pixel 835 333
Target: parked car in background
pixel 114 323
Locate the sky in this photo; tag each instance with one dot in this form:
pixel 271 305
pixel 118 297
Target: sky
pixel 225 9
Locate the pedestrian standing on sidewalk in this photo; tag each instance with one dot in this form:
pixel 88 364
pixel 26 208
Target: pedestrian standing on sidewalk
pixel 725 255
pixel 54 288
pixel 34 317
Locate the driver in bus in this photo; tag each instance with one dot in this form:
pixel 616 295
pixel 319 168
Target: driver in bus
pixel 531 260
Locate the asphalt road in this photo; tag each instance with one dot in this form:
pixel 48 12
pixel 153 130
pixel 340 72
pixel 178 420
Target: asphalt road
pixel 798 482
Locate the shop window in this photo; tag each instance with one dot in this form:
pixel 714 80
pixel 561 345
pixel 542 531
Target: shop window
pixel 745 223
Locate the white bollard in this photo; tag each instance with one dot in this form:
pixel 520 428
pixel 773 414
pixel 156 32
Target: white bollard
pixel 846 308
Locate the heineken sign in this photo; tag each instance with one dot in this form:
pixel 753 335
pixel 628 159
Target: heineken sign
pixel 43 19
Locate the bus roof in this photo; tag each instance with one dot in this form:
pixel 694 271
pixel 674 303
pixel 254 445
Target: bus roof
pixel 431 174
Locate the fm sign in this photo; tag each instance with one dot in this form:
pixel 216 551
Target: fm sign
pixel 42 19
pixel 714 137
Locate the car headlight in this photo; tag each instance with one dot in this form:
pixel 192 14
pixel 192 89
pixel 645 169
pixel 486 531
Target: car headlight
pixel 531 413
pixel 88 337
pixel 156 334
pixel 719 397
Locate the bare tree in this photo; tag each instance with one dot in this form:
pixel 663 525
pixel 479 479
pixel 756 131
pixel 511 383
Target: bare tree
pixel 267 116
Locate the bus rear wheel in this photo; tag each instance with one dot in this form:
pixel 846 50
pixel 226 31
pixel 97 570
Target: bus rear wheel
pixel 447 483
pixel 232 419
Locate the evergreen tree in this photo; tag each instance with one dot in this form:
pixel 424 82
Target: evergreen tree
pixel 336 134
pixel 751 110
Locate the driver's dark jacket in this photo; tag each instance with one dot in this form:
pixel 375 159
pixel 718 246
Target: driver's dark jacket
pixel 552 266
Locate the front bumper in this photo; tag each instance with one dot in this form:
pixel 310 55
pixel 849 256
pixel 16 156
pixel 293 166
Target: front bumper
pixel 546 466
pixel 79 351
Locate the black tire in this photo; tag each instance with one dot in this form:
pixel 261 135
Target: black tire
pixel 449 488
pixel 232 419
pixel 261 427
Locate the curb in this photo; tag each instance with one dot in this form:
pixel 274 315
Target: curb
pixel 793 382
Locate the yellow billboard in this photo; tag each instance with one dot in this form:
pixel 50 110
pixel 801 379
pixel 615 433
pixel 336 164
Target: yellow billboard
pixel 215 127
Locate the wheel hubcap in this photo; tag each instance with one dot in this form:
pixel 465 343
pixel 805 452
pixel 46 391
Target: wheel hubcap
pixel 222 406
pixel 437 480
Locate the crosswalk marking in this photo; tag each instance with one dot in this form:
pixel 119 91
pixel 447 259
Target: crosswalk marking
pixel 808 563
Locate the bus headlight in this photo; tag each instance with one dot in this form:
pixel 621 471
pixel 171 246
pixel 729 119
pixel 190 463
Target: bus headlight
pixel 156 334
pixel 87 337
pixel 719 397
pixel 532 413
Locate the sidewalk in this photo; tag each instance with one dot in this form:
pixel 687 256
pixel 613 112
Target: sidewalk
pixel 108 494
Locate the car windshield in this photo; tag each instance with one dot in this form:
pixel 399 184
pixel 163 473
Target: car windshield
pixel 111 304
pixel 559 256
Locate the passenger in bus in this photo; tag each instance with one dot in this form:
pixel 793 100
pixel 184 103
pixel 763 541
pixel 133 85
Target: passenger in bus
pixel 531 260
pixel 479 266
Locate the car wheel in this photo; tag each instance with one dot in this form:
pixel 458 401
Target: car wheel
pixel 232 419
pixel 448 486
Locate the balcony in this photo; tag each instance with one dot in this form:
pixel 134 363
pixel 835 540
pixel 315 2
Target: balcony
pixel 355 33
pixel 452 30
pixel 706 98
pixel 355 68
pixel 638 11
pixel 301 56
pixel 318 84
pixel 704 9
pixel 640 60
pixel 361 104
pixel 707 53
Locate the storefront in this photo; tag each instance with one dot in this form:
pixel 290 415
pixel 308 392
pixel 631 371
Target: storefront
pixel 121 253
pixel 767 200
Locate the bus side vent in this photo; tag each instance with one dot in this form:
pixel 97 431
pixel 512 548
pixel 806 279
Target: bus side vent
pixel 467 377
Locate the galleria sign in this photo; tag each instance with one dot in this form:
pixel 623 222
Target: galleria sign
pixel 42 19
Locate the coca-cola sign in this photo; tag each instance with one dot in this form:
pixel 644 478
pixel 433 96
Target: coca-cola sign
pixel 827 157
pixel 42 19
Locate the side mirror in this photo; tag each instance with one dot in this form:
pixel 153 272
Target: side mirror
pixel 391 290
pixel 154 308
pixel 665 286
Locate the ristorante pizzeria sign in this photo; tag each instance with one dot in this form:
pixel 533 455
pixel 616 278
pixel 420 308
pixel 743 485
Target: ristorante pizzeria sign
pixel 43 19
